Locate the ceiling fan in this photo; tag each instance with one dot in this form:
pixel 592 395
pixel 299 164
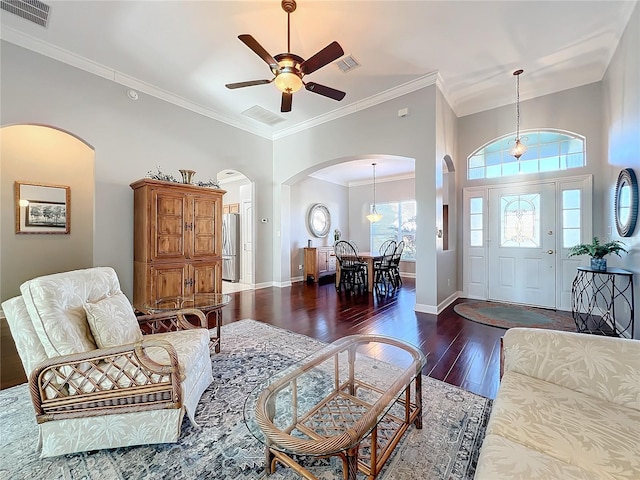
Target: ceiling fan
pixel 289 69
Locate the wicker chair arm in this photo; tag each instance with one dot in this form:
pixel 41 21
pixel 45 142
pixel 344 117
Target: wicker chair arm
pixel 105 381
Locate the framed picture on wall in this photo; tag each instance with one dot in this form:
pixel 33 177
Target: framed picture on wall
pixel 42 208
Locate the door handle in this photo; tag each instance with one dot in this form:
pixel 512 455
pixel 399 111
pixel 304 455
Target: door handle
pixel 550 252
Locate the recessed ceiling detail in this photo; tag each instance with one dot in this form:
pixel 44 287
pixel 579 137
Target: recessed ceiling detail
pixel 31 10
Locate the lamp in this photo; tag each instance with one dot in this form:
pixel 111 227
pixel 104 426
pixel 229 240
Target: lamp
pixel 519 148
pixel 287 79
pixel 374 216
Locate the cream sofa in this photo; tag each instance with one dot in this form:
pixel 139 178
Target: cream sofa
pixel 96 381
pixel 568 407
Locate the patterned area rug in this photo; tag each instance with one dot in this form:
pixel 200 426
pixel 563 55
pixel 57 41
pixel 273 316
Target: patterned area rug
pixel 446 447
pixel 509 316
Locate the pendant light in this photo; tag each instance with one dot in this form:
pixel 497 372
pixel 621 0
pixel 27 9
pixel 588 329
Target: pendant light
pixel 374 216
pixel 519 148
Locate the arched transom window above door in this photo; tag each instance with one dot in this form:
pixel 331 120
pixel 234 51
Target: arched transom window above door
pixel 547 151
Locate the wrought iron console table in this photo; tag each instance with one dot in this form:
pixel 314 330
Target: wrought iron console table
pixel 602 301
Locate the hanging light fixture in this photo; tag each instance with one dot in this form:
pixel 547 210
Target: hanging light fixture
pixel 374 216
pixel 519 148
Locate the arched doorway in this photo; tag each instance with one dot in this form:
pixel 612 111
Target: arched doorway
pixel 238 231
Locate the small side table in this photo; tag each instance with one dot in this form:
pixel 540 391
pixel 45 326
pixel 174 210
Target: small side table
pixel 602 301
pixel 208 303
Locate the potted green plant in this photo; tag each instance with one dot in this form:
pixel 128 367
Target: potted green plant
pixel 597 251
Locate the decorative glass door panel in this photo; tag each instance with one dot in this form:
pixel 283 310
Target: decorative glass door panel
pixel 522 243
pixel 520 221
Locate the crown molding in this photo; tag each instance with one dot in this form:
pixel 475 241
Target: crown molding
pixel 395 92
pixel 44 48
pixel 392 178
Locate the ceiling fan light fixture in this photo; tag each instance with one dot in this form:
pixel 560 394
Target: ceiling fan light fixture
pixel 287 81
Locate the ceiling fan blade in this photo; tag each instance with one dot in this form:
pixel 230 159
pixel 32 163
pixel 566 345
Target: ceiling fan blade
pixel 324 90
pixel 286 102
pixel 328 54
pixel 259 50
pixel 247 84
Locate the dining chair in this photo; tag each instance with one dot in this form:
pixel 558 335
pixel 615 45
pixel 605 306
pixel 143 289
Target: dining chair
pixel 353 270
pixel 395 264
pixel 385 244
pixel 383 276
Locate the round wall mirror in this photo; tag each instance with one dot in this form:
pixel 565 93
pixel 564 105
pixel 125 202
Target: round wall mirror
pixel 319 220
pixel 626 202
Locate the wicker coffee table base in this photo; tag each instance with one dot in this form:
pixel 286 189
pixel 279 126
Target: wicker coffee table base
pixel 363 456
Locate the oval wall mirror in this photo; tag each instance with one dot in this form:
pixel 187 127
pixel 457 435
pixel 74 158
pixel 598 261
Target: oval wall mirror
pixel 626 202
pixel 319 220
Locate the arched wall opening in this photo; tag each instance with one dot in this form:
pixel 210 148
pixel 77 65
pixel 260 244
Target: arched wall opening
pixel 238 240
pixel 347 202
pixel 44 155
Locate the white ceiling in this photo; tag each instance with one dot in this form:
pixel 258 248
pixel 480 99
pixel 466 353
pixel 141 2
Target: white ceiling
pixel 186 51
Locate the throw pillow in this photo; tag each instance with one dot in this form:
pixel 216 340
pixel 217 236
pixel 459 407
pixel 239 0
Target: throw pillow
pixel 112 321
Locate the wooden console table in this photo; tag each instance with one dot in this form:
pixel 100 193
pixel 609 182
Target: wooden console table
pixel 602 301
pixel 319 261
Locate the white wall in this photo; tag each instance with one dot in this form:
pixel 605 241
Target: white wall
pixel 131 138
pixel 376 130
pixel 304 194
pixel 621 128
pixel 447 261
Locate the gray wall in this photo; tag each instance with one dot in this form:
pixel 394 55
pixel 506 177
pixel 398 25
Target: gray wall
pixel 621 129
pixel 577 110
pixel 376 130
pixel 303 195
pixel 131 138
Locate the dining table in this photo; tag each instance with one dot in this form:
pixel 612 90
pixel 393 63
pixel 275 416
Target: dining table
pixel 370 258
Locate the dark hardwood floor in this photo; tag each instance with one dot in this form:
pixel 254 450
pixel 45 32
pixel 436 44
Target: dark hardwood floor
pixel 459 352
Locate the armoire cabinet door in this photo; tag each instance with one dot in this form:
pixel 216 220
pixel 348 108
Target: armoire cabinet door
pixel 169 216
pixel 203 240
pixel 170 280
pixel 207 277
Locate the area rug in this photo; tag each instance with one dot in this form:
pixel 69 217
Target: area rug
pixel 509 316
pixel 445 448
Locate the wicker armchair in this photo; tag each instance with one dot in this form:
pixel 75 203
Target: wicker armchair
pixel 96 381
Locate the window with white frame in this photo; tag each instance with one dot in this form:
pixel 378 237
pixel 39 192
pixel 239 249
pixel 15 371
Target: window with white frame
pixel 547 151
pixel 571 215
pixel 476 234
pixel 398 223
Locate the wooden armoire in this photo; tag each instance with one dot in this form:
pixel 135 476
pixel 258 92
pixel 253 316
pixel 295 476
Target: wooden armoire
pixel 177 240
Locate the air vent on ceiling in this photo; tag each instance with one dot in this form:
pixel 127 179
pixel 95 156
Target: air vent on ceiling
pixel 31 10
pixel 347 63
pixel 263 115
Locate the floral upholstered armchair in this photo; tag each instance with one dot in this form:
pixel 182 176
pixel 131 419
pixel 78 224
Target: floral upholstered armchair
pixel 96 381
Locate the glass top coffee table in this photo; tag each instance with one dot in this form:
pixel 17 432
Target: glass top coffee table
pixel 340 401
pixel 208 303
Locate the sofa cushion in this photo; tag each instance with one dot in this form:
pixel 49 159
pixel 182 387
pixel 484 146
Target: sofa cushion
pixel 603 367
pixel 600 437
pixel 55 305
pixel 504 459
pixel 192 347
pixel 112 321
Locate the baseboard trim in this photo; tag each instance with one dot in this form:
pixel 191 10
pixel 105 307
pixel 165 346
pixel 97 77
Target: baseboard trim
pixel 448 301
pixel 422 308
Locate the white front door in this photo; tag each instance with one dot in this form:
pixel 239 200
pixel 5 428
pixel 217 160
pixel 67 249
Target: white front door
pixel 522 244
